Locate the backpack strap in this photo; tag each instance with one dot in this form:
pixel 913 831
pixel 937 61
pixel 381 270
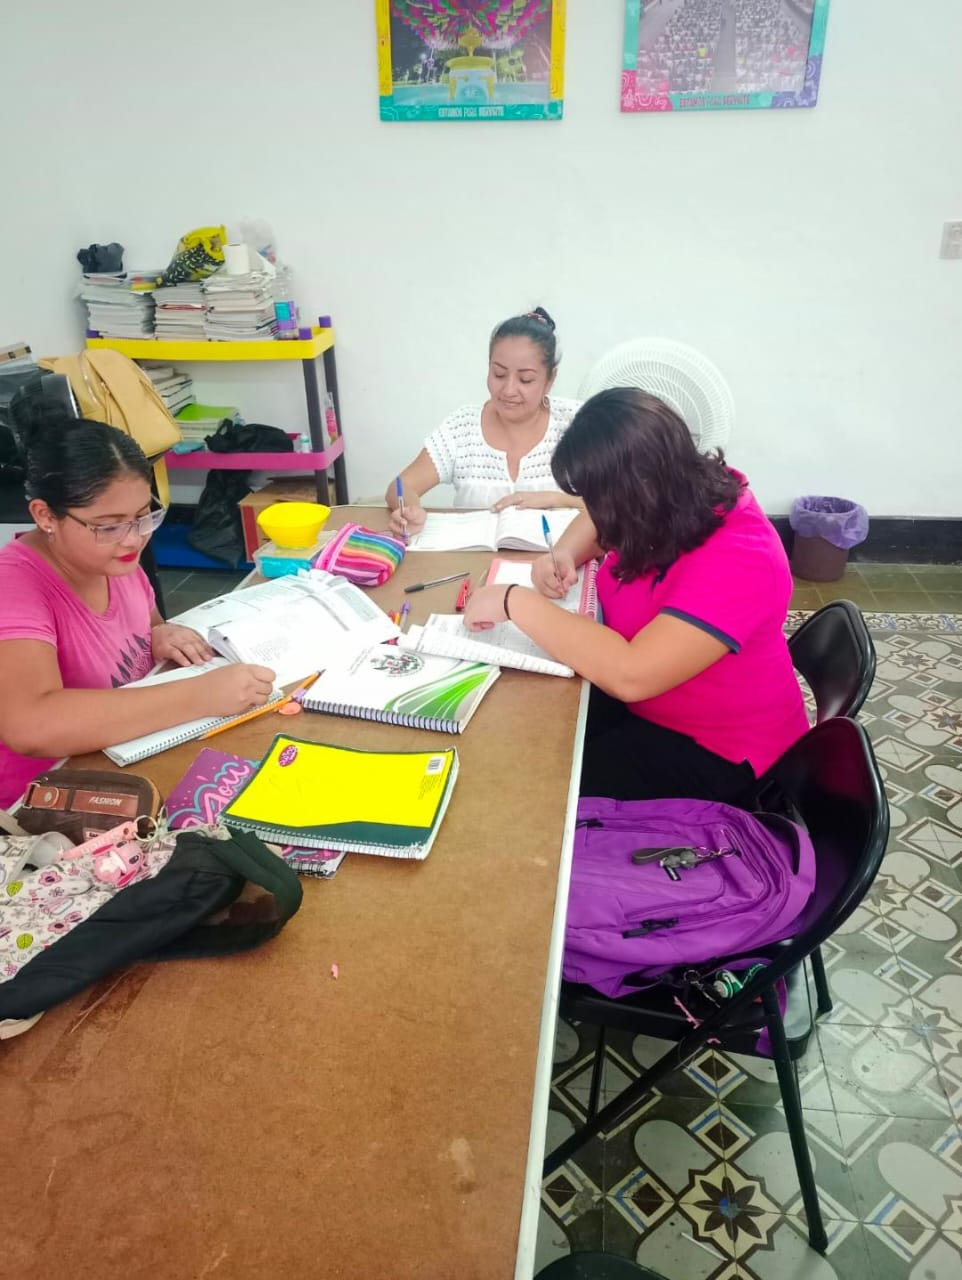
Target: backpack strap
pixel 246 856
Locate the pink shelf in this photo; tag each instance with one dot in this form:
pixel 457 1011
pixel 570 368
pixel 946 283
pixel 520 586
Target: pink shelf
pixel 204 460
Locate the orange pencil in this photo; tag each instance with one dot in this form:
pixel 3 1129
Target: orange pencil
pixel 274 705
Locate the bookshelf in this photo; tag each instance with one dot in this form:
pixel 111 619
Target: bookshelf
pixel 325 453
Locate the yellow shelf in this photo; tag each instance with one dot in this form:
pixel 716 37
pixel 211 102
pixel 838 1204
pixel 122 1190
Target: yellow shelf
pixel 171 349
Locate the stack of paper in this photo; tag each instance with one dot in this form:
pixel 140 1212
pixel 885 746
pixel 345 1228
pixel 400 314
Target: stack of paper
pixel 239 308
pixel 174 388
pixel 179 311
pixel 120 305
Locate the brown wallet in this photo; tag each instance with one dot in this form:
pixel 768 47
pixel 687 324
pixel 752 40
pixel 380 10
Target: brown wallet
pixel 81 802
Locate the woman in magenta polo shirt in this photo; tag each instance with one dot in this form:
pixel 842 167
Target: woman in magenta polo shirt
pixel 694 692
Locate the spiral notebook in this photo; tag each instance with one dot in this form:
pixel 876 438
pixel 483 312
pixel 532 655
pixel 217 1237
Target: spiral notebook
pixel 151 744
pixel 317 795
pixel 420 691
pixel 582 597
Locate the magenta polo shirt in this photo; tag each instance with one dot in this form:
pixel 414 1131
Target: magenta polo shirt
pixel 736 586
pixel 94 650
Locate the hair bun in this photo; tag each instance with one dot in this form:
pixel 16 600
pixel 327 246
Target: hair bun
pixel 539 313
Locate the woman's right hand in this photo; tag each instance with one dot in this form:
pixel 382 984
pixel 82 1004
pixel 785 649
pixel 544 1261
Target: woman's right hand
pixel 234 689
pixel 413 522
pixel 551 584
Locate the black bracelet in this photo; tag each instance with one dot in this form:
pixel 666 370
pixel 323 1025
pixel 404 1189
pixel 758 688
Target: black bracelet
pixel 507 592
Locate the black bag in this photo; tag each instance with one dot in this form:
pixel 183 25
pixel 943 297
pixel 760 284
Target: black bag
pixel 216 530
pixel 164 919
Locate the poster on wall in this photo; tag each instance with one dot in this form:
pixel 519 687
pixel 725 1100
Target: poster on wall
pixel 471 59
pixel 710 55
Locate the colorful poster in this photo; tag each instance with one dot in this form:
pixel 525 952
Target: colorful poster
pixel 471 59
pixel 710 55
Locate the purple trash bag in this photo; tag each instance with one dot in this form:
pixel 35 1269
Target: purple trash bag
pixel 842 523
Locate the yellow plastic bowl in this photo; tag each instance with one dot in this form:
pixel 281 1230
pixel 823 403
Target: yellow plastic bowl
pixel 293 524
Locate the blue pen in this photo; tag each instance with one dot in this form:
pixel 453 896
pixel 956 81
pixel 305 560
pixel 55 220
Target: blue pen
pixel 547 537
pixel 400 505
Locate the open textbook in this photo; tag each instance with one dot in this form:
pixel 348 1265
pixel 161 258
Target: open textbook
pixel 295 625
pixel 514 529
pixel 505 645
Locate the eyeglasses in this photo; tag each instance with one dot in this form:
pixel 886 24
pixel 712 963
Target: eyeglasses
pixel 143 526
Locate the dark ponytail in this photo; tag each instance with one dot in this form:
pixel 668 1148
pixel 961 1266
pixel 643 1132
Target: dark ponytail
pixel 69 461
pixel 538 327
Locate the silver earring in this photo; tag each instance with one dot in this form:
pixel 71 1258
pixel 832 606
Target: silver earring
pixel 48 532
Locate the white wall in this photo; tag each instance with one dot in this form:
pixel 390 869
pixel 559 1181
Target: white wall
pixel 797 249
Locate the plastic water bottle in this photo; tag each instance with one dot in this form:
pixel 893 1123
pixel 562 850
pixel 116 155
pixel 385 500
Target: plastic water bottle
pixel 303 444
pixel 285 308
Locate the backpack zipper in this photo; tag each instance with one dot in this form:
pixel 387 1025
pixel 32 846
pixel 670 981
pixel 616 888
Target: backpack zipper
pixel 650 926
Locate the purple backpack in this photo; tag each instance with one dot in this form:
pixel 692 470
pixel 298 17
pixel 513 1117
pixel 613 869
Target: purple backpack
pixel 662 884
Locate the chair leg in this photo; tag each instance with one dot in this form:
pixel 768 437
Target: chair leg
pixel 791 1099
pixel 597 1071
pixel 821 983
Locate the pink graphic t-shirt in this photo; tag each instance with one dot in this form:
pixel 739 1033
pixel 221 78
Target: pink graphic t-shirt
pixel 94 650
pixel 736 586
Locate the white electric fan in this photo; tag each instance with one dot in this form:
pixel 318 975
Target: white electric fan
pixel 681 376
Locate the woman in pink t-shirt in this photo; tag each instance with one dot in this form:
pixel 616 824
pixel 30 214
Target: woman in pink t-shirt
pixel 694 693
pixel 77 614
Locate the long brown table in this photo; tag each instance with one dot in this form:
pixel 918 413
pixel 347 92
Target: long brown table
pixel 253 1116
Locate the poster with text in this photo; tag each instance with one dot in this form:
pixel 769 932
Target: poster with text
pixel 710 55
pixel 471 59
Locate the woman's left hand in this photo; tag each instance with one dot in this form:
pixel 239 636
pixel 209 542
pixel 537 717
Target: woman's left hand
pixel 173 643
pixel 485 608
pixel 541 499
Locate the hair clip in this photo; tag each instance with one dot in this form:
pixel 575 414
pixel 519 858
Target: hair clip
pixel 535 315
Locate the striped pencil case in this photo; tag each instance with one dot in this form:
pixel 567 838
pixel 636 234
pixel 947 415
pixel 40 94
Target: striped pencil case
pixel 363 556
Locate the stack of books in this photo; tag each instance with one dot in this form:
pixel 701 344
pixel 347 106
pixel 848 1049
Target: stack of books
pixel 121 304
pixel 174 388
pixel 198 421
pixel 179 311
pixel 239 308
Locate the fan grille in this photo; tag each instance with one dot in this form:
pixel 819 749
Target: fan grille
pixel 686 380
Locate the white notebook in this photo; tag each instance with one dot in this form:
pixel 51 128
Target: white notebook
pixel 505 645
pixel 391 686
pixel 514 529
pixel 581 597
pixel 151 744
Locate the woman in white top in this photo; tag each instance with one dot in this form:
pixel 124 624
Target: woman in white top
pixel 497 454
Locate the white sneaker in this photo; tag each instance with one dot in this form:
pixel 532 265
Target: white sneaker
pixel 10 1027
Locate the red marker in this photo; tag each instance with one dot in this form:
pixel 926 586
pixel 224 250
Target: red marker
pixel 462 599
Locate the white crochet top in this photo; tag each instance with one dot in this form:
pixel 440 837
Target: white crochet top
pixel 463 458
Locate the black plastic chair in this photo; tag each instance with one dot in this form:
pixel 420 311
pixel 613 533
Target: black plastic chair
pixel 834 653
pixel 830 779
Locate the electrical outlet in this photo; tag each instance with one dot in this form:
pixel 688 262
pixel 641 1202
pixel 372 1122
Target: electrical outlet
pixel 951 240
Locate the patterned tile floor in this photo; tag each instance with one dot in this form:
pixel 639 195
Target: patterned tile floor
pixel 699 1184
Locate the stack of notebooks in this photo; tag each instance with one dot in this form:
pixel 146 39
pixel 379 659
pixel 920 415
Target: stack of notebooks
pixel 120 305
pixel 198 421
pixel 174 388
pixel 314 795
pixel 179 311
pixel 239 308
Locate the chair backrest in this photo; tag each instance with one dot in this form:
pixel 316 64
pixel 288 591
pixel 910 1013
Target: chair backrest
pixel 831 778
pixel 834 652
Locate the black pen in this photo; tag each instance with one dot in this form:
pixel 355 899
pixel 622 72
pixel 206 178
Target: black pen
pixel 436 582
